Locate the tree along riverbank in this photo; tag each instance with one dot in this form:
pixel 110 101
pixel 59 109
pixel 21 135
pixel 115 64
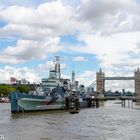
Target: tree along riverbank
pixel 6 89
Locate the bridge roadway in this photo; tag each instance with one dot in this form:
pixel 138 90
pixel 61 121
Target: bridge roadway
pixel 134 98
pixel 123 99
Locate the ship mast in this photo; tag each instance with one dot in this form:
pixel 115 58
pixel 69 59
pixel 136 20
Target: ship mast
pixel 57 67
pixel 73 79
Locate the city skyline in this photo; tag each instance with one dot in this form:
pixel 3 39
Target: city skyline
pixel 86 34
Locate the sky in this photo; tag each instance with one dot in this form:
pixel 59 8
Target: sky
pixel 86 34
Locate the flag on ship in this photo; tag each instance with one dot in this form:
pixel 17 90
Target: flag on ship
pixel 13 80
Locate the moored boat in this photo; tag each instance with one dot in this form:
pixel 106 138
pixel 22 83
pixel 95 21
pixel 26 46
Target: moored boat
pixel 4 100
pixel 57 101
pixel 51 94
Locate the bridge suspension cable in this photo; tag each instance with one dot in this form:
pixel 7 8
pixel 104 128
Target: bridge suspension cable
pixel 91 85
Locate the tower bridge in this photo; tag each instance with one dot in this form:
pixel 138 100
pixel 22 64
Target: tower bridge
pixel 100 81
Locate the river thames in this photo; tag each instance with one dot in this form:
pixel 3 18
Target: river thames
pixel 108 122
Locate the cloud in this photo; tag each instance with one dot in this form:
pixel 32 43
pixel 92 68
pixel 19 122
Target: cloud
pixel 52 18
pixel 29 50
pixel 37 33
pixel 118 86
pixel 87 77
pixel 37 30
pixel 112 50
pixel 29 74
pixel 108 16
pixel 80 59
pixel 26 3
pixel 49 65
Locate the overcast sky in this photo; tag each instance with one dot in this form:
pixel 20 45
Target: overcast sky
pixel 86 34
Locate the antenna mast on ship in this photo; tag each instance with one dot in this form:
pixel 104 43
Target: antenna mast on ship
pixel 73 79
pixel 57 67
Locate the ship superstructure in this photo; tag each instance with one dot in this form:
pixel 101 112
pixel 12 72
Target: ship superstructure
pixel 53 80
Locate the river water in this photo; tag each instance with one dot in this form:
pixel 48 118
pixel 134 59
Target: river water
pixel 108 122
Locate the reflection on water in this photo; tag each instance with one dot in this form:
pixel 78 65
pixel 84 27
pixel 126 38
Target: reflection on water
pixel 108 122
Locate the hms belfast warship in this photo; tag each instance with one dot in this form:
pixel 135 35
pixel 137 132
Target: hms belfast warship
pixel 52 94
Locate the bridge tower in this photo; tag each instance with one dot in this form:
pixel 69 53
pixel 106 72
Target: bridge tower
pixel 137 82
pixel 100 82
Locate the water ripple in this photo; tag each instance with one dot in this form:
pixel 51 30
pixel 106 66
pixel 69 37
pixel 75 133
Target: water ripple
pixel 109 122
